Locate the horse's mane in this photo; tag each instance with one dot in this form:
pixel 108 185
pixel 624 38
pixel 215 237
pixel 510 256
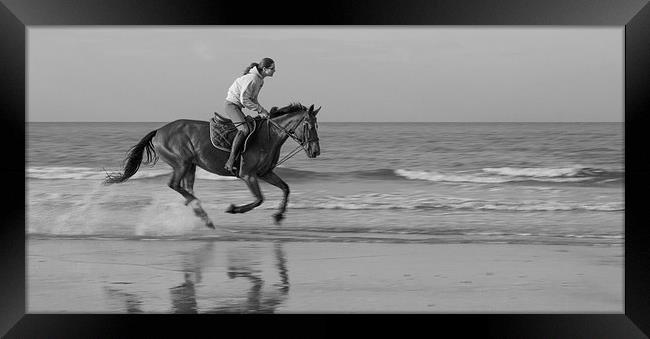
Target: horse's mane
pixel 291 108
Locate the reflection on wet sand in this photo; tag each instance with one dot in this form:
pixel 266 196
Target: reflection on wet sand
pixel 282 268
pixel 244 268
pixel 257 301
pixel 131 302
pixel 183 296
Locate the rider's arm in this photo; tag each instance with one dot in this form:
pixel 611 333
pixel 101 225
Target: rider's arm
pixel 250 90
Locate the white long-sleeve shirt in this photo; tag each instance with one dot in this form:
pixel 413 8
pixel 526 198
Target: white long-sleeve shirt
pixel 245 89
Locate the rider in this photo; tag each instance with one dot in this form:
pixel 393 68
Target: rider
pixel 243 93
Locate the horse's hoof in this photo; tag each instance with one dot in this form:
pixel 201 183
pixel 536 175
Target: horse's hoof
pixel 278 218
pixel 209 224
pixel 231 209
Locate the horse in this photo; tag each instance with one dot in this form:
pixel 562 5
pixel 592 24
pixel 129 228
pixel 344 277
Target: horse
pixel 185 144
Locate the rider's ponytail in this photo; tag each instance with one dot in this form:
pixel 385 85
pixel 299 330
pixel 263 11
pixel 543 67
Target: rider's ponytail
pixel 266 62
pixel 247 69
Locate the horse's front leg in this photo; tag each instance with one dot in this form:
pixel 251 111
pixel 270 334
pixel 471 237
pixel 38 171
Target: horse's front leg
pixel 276 181
pixel 254 187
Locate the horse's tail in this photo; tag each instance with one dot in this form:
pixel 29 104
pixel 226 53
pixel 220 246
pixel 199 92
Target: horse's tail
pixel 134 158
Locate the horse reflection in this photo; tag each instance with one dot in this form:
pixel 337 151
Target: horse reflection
pixel 257 300
pixel 131 302
pixel 240 265
pixel 183 296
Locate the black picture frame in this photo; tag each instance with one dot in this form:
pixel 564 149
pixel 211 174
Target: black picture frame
pixel 17 15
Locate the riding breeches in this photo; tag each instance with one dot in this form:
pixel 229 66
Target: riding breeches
pixel 234 112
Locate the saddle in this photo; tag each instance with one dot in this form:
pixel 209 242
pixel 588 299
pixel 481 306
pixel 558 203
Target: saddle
pixel 223 130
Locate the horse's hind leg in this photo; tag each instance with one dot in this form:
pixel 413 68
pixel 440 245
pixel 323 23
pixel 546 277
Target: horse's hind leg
pixel 188 179
pixel 175 182
pixel 185 173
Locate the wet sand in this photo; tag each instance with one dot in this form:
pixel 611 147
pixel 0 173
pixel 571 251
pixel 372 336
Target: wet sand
pixel 126 276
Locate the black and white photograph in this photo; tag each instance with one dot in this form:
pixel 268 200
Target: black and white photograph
pixel 425 169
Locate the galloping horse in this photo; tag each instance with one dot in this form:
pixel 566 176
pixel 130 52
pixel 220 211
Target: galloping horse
pixel 185 144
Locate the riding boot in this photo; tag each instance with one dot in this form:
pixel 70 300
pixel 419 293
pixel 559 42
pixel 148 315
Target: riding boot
pixel 237 144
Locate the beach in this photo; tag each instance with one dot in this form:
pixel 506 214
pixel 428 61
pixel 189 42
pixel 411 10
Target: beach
pixel 127 276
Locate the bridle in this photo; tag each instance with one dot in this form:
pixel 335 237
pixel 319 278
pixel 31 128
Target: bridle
pixel 291 133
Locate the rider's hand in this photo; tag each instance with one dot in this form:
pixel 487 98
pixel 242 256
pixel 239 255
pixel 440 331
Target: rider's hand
pixel 264 114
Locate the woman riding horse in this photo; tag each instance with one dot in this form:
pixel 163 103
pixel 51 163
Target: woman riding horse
pixel 243 93
pixel 185 144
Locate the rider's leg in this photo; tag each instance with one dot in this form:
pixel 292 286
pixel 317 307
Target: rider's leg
pixel 237 144
pixel 237 116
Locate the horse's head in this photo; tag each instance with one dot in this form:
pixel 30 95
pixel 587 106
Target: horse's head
pixel 307 132
pixel 300 123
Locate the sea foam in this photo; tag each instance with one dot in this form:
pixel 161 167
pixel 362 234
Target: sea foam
pixel 87 173
pixel 534 172
pixel 433 202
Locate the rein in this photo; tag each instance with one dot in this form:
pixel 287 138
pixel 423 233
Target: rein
pixel 291 133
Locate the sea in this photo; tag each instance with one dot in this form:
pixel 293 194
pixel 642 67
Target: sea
pixel 519 183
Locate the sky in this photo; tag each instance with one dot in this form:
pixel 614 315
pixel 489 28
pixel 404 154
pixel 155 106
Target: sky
pixel 356 73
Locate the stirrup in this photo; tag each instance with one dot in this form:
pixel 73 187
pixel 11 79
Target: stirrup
pixel 234 170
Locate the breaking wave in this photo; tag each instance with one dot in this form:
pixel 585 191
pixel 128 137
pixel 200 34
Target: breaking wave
pixel 379 201
pixel 86 173
pixel 482 176
pixel 521 175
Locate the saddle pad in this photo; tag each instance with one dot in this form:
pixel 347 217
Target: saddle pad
pixel 223 130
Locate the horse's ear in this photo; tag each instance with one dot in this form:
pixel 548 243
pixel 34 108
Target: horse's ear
pixel 311 109
pixel 318 109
